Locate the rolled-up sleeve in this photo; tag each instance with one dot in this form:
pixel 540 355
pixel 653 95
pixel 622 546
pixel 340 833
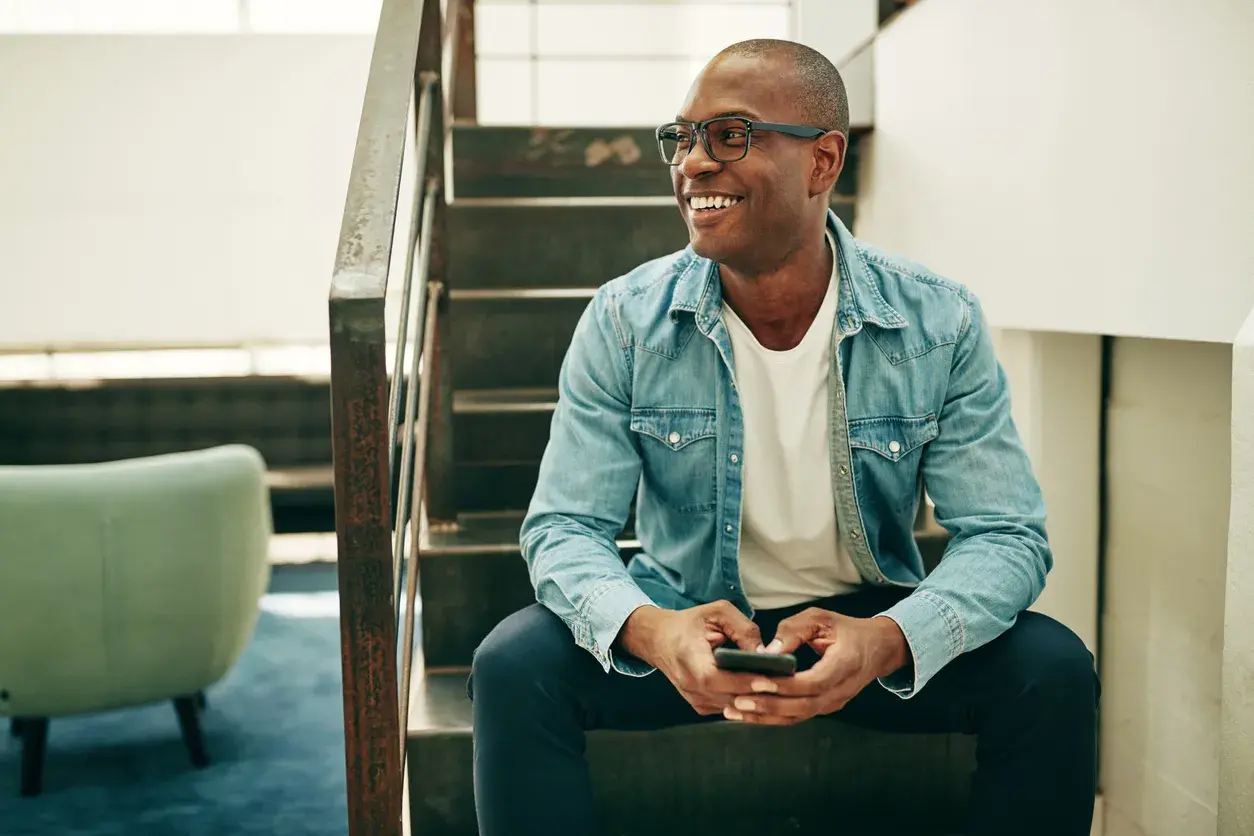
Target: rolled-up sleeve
pixel 588 476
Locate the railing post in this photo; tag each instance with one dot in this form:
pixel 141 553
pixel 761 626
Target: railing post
pixel 440 493
pixel 363 524
pixel 465 103
pixel 362 432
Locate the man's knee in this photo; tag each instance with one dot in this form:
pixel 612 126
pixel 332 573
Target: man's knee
pixel 529 648
pixel 1052 662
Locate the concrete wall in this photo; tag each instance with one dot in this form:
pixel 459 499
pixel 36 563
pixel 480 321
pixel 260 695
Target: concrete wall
pixel 1083 166
pixel 1236 761
pixel 1168 464
pixel 173 190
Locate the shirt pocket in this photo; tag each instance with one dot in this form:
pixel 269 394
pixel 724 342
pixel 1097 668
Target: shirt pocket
pixel 887 452
pixel 678 449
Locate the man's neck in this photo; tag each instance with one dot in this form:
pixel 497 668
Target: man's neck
pixel 780 304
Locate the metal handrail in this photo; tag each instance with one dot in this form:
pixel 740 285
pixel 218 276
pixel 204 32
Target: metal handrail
pixel 406 429
pixel 422 137
pixel 405 74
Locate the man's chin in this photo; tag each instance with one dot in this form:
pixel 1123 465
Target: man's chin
pixel 713 247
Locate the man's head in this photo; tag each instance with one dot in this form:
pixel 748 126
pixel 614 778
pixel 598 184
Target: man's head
pixel 781 184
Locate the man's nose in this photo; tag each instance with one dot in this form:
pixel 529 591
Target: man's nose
pixel 697 161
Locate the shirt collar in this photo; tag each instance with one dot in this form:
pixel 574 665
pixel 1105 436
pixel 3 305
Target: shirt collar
pixel 699 292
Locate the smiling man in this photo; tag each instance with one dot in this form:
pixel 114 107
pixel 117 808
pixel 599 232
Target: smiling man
pixel 773 397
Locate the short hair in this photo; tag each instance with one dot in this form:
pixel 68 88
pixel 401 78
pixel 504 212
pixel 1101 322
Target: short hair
pixel 822 97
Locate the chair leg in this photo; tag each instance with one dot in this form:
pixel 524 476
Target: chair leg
pixel 34 732
pixel 202 702
pixel 189 724
pixel 15 726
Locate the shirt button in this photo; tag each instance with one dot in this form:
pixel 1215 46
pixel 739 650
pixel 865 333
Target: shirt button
pixel 894 447
pixel 673 438
pixel 854 534
pixel 844 471
pixel 729 529
pixel 735 458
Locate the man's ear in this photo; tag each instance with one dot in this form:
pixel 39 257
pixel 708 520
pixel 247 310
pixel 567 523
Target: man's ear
pixel 829 159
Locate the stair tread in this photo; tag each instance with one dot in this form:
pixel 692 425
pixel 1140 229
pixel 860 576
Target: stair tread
pixel 520 399
pixel 300 478
pixel 489 533
pixel 438 702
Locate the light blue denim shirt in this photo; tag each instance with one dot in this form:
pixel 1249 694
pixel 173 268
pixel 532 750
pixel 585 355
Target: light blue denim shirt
pixel 648 407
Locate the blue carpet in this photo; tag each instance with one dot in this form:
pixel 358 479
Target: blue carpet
pixel 273 730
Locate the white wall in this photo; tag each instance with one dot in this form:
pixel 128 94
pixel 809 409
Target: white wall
pixel 843 31
pixel 1168 465
pixel 1083 166
pixel 173 190
pixel 622 62
pixel 1236 762
pixel 1056 398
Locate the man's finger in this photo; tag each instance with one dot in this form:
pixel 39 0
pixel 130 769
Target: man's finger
pixel 792 633
pixel 798 708
pixel 736 626
pixel 759 719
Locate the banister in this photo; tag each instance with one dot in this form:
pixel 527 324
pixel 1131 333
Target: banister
pixel 406 64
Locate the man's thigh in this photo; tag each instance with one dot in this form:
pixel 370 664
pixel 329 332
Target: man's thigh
pixel 532 652
pixel 1034 649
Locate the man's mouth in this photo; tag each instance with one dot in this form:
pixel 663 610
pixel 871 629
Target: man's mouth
pixel 710 206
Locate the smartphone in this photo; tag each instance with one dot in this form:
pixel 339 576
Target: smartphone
pixel 743 661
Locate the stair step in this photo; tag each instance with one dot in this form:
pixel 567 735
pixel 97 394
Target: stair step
pixel 520 161
pixel 494 487
pixel 471 579
pixel 715 779
pixel 501 425
pixel 531 161
pixel 560 242
pixel 508 339
pixel 302 499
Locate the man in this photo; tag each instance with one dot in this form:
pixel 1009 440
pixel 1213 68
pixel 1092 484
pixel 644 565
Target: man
pixel 777 392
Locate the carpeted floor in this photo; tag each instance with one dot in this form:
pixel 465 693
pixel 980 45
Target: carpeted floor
pixel 273 729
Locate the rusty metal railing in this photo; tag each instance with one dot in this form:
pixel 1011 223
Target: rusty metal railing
pixel 378 549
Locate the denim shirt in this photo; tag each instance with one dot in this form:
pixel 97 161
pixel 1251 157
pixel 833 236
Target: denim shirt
pixel 648 408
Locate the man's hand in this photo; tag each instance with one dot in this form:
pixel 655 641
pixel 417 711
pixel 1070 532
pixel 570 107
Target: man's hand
pixel 854 651
pixel 680 643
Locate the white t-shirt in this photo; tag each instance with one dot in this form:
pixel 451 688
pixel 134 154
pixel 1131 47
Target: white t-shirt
pixel 790 549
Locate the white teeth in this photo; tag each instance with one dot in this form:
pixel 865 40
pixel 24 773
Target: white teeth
pixel 713 202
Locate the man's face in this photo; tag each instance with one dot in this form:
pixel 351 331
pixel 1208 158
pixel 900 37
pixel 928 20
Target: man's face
pixel 773 187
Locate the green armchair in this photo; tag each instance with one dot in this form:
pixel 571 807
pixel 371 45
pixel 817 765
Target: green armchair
pixel 127 583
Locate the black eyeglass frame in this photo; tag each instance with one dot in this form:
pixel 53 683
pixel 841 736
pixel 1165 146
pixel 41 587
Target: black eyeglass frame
pixel 698 128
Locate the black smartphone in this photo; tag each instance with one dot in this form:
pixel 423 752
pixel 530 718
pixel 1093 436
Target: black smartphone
pixel 743 661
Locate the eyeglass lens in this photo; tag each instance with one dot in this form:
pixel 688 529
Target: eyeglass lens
pixel 728 140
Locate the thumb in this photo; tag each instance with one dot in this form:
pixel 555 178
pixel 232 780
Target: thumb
pixel 735 625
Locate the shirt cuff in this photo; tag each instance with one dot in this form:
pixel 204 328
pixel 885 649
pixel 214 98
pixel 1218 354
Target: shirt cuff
pixel 606 614
pixel 934 634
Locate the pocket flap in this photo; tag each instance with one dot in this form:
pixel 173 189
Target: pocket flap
pixel 675 427
pixel 892 436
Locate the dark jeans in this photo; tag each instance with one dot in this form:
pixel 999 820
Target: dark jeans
pixel 1030 696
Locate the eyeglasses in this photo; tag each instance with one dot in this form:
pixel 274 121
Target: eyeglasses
pixel 726 139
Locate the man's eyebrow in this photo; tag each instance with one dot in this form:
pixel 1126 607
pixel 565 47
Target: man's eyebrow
pixel 747 114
